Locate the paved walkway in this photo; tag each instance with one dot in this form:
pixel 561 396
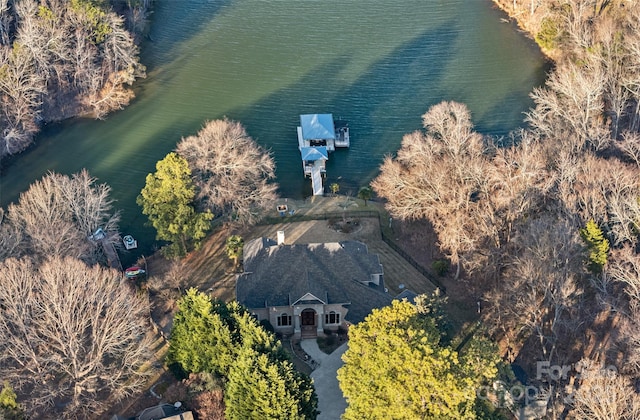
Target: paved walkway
pixel 331 402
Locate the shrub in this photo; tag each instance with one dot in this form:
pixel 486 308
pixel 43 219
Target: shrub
pixel 267 325
pixel 440 267
pixel 548 36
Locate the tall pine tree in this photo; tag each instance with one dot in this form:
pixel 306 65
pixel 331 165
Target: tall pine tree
pixel 168 200
pixel 597 245
pixel 200 340
pixel 225 339
pixel 262 388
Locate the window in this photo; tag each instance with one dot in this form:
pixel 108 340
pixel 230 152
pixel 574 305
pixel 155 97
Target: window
pixel 284 320
pixel 332 318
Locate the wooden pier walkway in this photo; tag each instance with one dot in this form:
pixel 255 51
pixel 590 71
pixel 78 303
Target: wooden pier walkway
pixel 113 258
pixel 316 180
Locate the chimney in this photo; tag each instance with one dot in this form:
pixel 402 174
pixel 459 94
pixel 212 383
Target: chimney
pixel 281 237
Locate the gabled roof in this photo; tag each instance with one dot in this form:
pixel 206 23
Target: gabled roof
pixel 317 127
pixel 410 295
pixel 314 153
pixel 332 273
pixel 309 297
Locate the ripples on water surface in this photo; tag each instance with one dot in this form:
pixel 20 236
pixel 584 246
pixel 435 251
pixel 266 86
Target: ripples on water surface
pixel 377 64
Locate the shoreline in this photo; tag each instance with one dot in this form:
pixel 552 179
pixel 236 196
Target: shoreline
pixel 526 26
pixel 63 103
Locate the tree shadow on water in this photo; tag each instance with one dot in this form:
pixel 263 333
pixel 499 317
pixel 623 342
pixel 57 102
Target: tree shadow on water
pixel 174 21
pixel 381 105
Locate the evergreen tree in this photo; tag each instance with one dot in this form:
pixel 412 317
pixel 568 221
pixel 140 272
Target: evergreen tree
pixel 9 407
pixel 365 194
pixel 480 359
pixel 234 245
pixel 248 333
pixel 168 200
pixel 396 368
pixel 200 340
pixel 261 388
pixel 225 339
pixel 597 245
pixel 432 306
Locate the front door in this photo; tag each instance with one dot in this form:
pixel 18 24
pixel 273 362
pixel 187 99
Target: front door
pixel 308 321
pixel 308 317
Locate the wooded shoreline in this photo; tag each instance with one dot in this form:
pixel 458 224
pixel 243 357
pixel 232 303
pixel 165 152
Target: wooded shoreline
pixel 63 60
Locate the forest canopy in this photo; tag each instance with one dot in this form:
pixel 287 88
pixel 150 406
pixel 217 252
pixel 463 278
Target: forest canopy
pixel 544 230
pixel 60 59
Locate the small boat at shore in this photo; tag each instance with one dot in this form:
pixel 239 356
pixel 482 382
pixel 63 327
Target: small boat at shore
pixel 129 242
pixel 134 272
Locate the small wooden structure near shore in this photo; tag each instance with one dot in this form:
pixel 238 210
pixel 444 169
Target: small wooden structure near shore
pixel 113 259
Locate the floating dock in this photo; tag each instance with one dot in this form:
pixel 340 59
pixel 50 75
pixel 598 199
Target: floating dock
pixel 342 134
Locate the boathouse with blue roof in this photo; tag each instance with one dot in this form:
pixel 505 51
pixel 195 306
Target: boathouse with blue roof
pixel 317 137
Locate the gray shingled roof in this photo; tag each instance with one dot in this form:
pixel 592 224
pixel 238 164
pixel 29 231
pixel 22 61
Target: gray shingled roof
pixel 333 272
pixel 410 295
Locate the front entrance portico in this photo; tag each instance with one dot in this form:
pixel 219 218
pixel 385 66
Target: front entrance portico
pixel 308 323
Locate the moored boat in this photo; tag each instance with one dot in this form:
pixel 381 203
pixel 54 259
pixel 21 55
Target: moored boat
pixel 134 272
pixel 129 242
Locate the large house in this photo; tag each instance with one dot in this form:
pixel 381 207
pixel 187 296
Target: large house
pixel 306 289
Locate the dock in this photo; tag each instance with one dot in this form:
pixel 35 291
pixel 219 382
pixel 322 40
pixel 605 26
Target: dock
pixel 318 135
pixel 342 134
pixel 100 237
pixel 316 182
pixel 113 259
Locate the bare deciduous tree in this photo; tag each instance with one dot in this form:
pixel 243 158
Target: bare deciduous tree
pixel 630 339
pixel 120 68
pixel 62 59
pixel 632 79
pixel 575 16
pixel 10 238
pixel 569 109
pixel 625 268
pixel 589 187
pixel 57 215
pixel 604 395
pixel 232 172
pixel 438 175
pixel 611 54
pixel 473 198
pixel 71 336
pixel 517 184
pixel 6 21
pixel 43 35
pixel 539 289
pixel 629 145
pixel 20 98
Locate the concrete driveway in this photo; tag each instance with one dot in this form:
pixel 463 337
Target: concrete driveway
pixel 331 402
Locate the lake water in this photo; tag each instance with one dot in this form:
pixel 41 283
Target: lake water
pixel 377 64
